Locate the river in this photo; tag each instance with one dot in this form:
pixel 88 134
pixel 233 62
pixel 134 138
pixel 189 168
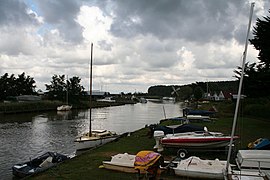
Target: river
pixel 25 136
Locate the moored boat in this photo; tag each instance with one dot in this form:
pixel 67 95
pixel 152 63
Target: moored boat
pixel 93 138
pixel 64 108
pixel 38 164
pixel 97 138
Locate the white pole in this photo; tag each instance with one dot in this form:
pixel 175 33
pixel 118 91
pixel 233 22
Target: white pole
pixel 239 89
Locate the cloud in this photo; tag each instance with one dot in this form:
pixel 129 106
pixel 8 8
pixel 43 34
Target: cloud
pixel 62 15
pixel 136 43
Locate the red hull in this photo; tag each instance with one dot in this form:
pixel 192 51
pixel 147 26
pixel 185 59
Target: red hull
pixel 197 142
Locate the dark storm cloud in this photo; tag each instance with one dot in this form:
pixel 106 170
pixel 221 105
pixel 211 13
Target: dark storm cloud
pixel 62 14
pixel 14 12
pixel 199 21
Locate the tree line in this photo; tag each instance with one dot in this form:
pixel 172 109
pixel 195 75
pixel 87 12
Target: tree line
pixel 194 90
pixel 11 86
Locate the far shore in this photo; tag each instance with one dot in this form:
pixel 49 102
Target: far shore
pixel 46 105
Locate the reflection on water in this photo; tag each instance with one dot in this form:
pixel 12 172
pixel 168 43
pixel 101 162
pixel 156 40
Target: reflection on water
pixel 25 136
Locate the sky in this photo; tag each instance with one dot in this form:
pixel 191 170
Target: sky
pixel 136 43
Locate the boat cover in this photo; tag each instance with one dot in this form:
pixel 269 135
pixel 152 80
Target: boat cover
pixel 198 112
pixel 261 143
pixel 179 129
pixel 145 159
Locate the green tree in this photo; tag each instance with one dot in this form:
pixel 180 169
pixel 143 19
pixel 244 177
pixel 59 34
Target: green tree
pixel 25 85
pixel 12 86
pixel 261 40
pixel 56 90
pixel 257 75
pixel 185 92
pixel 59 88
pixel 74 88
pixel 198 93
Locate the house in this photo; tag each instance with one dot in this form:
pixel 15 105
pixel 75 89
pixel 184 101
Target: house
pixel 98 94
pixel 221 96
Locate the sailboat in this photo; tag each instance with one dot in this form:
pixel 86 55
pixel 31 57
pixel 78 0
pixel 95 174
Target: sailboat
pixel 244 158
pixel 93 138
pixel 65 107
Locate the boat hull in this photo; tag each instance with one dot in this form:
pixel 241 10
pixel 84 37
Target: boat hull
pixel 121 168
pixel 88 143
pixel 194 167
pixel 197 144
pixel 193 140
pixel 64 108
pixel 38 164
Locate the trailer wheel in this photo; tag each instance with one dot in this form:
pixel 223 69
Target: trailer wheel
pixel 182 153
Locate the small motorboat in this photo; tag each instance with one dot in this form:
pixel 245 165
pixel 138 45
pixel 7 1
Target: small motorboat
pixel 194 167
pixel 192 140
pixel 38 164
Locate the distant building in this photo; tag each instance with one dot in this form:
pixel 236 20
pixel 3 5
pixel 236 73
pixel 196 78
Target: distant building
pixel 98 94
pixel 221 96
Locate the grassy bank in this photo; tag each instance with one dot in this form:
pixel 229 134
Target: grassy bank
pixel 86 165
pixel 19 107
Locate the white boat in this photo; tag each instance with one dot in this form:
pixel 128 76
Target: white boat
pixel 257 160
pixel 138 163
pixel 121 162
pixel 197 117
pixel 251 165
pixel 93 138
pixel 97 138
pixel 64 108
pixel 194 167
pixel 190 140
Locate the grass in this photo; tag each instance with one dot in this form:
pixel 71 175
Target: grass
pixel 86 165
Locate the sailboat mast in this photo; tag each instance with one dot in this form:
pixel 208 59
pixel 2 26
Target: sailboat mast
pixel 67 91
pixel 90 100
pixel 239 89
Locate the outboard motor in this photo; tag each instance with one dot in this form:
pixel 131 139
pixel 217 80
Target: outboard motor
pixel 158 135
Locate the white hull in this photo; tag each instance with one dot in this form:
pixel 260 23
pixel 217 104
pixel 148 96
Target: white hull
pixel 253 159
pixel 64 108
pixel 97 139
pixel 120 168
pixel 246 175
pixel 196 140
pixel 194 167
